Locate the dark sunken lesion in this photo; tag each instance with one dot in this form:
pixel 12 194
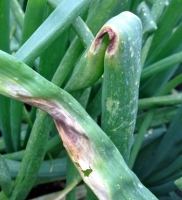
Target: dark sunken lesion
pixel 112 39
pixel 70 131
pixel 68 124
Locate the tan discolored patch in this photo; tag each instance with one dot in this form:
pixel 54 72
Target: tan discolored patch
pixel 78 145
pixel 73 135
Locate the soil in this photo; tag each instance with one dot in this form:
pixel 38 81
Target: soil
pixel 47 188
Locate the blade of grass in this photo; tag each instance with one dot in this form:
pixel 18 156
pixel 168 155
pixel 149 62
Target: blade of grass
pixel 32 22
pixel 164 188
pixel 18 155
pixel 178 183
pixel 94 107
pixel 146 124
pixel 4 101
pixel 5 177
pixel 29 27
pixel 140 136
pixel 82 96
pixel 27 117
pixel 148 23
pixel 161 65
pixel 152 135
pixel 154 84
pixel 51 57
pixel 15 34
pixel 83 32
pixel 172 168
pixel 165 90
pixel 5 31
pixel 133 6
pixel 172 140
pixel 145 155
pixel 3 196
pixel 52 144
pixel 167 100
pixel 17 12
pixel 68 188
pixel 161 116
pixel 16 110
pixel 170 177
pixel 21 2
pixel 172 45
pixel 171 84
pixel 71 175
pixel 48 170
pixel 156 11
pixel 41 39
pixel 165 27
pixel 29 128
pixel 32 158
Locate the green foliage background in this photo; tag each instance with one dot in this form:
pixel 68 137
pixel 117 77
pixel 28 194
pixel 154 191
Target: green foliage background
pixel 49 37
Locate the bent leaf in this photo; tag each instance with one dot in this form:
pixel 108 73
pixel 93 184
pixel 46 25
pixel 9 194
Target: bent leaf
pixel 120 62
pixel 97 159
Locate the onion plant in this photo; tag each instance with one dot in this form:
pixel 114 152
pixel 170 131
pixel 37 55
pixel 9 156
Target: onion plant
pixel 90 95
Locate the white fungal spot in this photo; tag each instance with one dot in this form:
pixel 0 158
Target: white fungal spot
pixel 112 105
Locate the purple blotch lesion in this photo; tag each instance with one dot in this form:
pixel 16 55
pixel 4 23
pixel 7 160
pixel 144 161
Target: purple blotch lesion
pixel 113 39
pixel 69 130
pixel 61 117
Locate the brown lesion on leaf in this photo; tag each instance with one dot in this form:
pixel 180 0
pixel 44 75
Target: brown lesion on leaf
pixel 75 140
pixel 73 135
pixel 113 39
pixel 68 129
